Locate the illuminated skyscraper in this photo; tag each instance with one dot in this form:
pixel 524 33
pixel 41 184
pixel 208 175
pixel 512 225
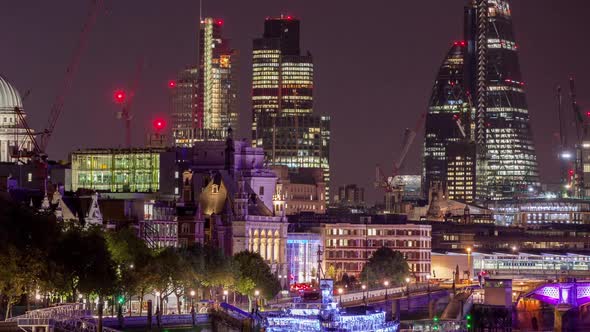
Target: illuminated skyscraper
pixel 485 65
pixel 282 101
pixel 448 103
pixel 206 97
pixel 502 126
pixel 184 107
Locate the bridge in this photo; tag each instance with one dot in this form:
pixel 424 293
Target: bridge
pixel 71 317
pixel 563 296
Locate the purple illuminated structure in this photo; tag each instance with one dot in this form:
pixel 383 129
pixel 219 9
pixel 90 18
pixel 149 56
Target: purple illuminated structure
pixel 575 294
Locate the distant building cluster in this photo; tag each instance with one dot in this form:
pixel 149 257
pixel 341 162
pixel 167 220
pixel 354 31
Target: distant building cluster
pixel 478 202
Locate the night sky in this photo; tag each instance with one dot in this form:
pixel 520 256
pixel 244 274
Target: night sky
pixel 375 63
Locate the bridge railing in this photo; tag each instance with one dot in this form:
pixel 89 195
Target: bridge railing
pixel 379 293
pixel 60 312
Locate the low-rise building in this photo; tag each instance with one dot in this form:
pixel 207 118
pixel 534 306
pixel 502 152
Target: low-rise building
pixel 350 240
pixel 541 211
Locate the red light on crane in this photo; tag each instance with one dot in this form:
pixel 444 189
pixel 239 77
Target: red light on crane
pixel 119 96
pixel 159 124
pixel 171 84
pixel 219 22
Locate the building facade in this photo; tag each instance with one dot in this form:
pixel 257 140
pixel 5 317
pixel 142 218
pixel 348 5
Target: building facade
pixel 283 123
pixel 350 195
pixel 13 135
pixel 125 170
pixel 448 104
pixel 502 124
pixel 461 171
pixel 348 246
pixel 541 211
pixel 349 240
pixel 302 256
pixel 204 99
pixel 183 95
pixel 479 96
pixel 303 191
pixel 217 86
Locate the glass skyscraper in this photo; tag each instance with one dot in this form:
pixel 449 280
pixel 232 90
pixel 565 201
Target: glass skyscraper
pixel 510 168
pixel 496 117
pixel 448 103
pixel 283 122
pixel 184 107
pixel 204 99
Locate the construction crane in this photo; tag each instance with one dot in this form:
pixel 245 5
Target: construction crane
pixel 392 188
pixel 577 176
pixel 38 155
pixel 127 101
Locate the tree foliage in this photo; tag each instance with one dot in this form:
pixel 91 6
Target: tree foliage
pixel 385 264
pixel 253 269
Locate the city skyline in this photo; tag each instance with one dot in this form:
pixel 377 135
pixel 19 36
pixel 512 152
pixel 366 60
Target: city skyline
pixel 110 62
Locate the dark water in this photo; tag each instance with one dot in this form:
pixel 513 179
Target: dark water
pixel 198 328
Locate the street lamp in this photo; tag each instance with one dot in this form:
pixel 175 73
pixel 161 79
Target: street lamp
pixel 386 284
pixel 364 297
pixel 408 290
pixel 340 291
pixel 192 299
pixel 157 301
pixel 428 284
pixel 256 295
pixel 469 265
pixel 225 295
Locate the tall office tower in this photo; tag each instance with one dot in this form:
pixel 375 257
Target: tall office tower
pixel 508 166
pixel 448 110
pixel 283 122
pixel 217 86
pixel 204 99
pixel 184 107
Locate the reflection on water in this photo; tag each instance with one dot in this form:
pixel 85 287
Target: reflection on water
pixel 198 328
pixel 533 315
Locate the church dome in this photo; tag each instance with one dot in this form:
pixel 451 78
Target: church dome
pixel 9 96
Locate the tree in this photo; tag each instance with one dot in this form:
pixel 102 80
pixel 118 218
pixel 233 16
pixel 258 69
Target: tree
pixel 385 264
pixel 99 274
pixel 331 272
pixel 253 269
pixel 25 239
pixel 132 257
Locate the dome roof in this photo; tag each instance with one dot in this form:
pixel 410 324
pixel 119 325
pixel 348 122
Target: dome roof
pixel 9 96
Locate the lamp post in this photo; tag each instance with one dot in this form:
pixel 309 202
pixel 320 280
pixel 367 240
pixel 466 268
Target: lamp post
pixel 364 297
pixel 225 292
pixel 192 300
pixel 386 284
pixel 428 284
pixel 256 295
pixel 157 302
pixel 340 291
pixel 408 291
pixel 469 265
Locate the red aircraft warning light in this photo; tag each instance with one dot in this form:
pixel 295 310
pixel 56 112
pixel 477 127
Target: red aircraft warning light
pixel 171 84
pixel 159 124
pixel 119 96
